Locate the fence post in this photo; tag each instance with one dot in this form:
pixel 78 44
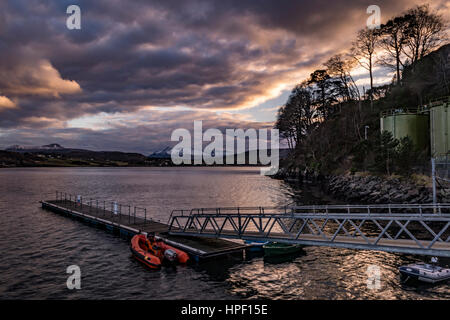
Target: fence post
pixel 145 216
pixel 446 165
pixel 433 176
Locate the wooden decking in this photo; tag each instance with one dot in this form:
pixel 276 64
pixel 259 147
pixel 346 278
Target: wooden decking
pixel 128 224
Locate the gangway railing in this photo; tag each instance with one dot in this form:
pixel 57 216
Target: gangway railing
pixel 405 228
pixel 344 209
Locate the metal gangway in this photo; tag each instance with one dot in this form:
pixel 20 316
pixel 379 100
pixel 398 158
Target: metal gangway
pixel 422 229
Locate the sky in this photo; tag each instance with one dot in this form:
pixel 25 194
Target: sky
pixel 139 69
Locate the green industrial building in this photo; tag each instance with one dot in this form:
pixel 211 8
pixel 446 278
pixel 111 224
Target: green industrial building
pixel 427 127
pixel 440 124
pixel 402 123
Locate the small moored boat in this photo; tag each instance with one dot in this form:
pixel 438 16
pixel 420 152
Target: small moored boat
pixel 277 249
pixel 141 250
pixel 152 252
pixel 256 246
pixel 424 272
pixel 172 254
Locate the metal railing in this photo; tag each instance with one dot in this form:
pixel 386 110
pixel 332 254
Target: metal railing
pixel 399 110
pixel 433 103
pixel 225 210
pixel 105 208
pixel 409 228
pixel 437 208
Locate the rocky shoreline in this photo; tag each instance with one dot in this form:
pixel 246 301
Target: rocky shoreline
pixel 370 189
pixel 376 190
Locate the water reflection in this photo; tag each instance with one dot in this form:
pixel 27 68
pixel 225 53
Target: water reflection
pixel 109 272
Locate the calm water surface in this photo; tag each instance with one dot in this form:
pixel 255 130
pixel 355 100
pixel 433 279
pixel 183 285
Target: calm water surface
pixel 37 246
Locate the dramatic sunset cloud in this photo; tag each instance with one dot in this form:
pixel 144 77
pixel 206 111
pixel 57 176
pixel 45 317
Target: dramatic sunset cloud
pixel 35 78
pixel 137 61
pixel 6 103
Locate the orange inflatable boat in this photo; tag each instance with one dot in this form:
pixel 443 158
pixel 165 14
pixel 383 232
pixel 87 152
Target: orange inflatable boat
pixel 141 250
pixel 152 252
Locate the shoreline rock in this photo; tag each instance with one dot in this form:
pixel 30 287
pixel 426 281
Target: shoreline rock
pixel 368 189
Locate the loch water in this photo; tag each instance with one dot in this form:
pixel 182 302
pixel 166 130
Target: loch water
pixel 37 246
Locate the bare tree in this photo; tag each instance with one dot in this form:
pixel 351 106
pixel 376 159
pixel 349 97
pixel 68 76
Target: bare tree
pixel 363 51
pixel 393 39
pixel 424 32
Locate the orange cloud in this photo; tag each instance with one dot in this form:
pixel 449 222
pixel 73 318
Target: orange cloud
pixel 6 103
pixel 40 79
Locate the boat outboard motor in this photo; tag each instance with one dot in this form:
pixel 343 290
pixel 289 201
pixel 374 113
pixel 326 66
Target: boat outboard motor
pixel 170 255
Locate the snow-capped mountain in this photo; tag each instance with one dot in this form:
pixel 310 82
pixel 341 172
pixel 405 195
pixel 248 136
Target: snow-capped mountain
pixel 161 154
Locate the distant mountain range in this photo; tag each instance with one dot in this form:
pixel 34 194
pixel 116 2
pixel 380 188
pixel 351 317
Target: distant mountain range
pixel 166 154
pixel 55 155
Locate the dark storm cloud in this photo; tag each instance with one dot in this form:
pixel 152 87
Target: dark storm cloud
pixel 166 53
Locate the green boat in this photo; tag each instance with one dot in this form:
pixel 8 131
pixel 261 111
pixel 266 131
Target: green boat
pixel 273 249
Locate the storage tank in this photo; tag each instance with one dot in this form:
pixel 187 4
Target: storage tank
pixel 407 123
pixel 440 123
